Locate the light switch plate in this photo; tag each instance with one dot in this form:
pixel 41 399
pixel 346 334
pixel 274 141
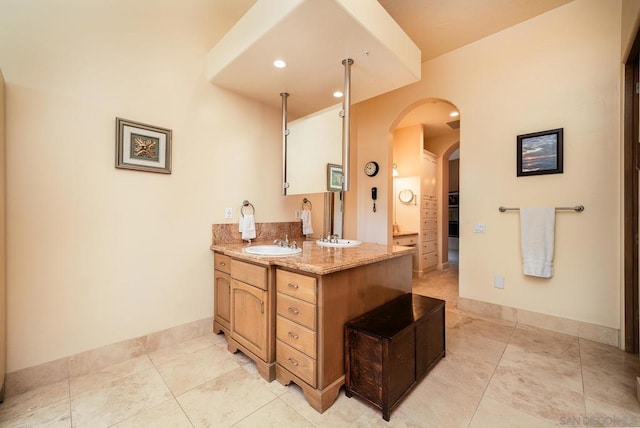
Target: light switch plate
pixel 498 281
pixel 479 228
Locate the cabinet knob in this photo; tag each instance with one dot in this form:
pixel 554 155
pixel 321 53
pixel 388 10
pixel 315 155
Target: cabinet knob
pixel 223 264
pixel 293 335
pixel 293 362
pixel 295 286
pixel 293 311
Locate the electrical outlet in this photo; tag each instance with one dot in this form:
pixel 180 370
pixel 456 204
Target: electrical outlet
pixel 228 213
pixel 498 281
pixel 298 214
pixel 479 228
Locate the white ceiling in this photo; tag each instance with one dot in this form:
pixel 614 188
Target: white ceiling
pixel 438 27
pixel 313 37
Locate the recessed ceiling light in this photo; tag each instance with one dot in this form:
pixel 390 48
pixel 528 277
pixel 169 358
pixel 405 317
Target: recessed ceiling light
pixel 454 114
pixel 279 63
pixel 338 94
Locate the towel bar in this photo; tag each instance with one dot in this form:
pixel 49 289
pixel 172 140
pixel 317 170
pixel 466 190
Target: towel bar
pixel 246 203
pixel 577 208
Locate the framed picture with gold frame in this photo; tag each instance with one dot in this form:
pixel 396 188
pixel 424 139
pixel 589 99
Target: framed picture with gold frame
pixel 142 147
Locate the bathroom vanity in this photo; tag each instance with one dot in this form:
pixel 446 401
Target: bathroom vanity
pixel 288 313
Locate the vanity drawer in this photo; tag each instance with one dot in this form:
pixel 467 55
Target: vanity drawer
pixel 249 274
pixel 222 262
pixel 299 286
pixel 297 310
pixel 296 336
pixel 431 204
pixel 429 224
pixel 430 247
pixel 406 240
pixel 430 259
pixel 296 362
pixel 430 235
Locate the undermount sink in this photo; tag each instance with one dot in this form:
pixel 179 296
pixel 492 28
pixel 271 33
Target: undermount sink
pixel 340 244
pixel 272 250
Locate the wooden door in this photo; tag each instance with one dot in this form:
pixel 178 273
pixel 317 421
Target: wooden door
pixel 631 191
pixel 249 317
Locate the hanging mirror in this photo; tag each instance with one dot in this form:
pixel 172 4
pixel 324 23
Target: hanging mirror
pixel 406 196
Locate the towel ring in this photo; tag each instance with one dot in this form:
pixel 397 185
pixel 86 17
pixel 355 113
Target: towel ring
pixel 246 203
pixel 306 201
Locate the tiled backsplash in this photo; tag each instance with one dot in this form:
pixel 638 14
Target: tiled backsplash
pixel 227 233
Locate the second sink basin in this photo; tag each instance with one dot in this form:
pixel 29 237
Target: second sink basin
pixel 272 250
pixel 340 244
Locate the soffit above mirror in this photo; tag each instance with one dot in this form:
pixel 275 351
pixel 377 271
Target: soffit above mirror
pixel 313 37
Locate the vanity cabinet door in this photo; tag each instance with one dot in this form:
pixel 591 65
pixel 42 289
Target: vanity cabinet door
pixel 249 317
pixel 222 297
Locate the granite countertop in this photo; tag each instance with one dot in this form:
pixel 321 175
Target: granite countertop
pixel 319 260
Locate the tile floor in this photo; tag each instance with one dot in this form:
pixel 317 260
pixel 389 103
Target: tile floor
pixel 495 375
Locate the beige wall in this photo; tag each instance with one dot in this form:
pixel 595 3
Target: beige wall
pixel 561 69
pixel 3 241
pixel 97 255
pixel 630 22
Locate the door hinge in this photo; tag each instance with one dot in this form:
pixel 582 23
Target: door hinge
pixel 637 87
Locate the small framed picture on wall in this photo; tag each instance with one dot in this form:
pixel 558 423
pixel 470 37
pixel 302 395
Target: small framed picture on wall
pixel 540 153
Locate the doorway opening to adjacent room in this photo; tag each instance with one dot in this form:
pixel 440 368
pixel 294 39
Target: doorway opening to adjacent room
pixel 426 195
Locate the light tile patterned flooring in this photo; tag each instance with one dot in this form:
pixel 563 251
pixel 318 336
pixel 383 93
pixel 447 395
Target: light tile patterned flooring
pixel 495 375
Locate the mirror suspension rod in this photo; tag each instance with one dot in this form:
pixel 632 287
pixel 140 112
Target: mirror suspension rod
pixel 285 132
pixel 346 123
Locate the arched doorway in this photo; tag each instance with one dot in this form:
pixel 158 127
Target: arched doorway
pixel 427 129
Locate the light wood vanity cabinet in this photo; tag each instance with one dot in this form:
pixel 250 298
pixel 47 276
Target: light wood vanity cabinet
pixel 244 310
pixel 252 315
pixel 311 313
pixel 221 293
pixel 249 317
pixel 290 320
pixel 296 348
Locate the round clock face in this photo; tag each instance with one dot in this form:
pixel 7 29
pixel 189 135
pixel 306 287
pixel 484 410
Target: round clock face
pixel 406 196
pixel 371 168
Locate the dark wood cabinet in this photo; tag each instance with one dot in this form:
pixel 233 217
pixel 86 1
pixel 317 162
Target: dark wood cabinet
pixel 391 348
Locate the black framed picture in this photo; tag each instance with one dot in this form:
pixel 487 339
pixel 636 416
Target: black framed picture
pixel 540 153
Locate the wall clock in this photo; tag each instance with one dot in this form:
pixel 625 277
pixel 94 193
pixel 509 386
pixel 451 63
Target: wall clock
pixel 371 168
pixel 406 196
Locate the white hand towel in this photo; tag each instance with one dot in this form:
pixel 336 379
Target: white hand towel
pixel 247 225
pixel 307 229
pixel 537 227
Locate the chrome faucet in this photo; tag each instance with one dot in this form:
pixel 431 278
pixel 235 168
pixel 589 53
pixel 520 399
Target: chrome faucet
pixel 284 242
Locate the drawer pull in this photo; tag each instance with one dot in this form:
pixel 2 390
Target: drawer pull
pixel 293 362
pixel 223 264
pixel 294 286
pixel 294 311
pixel 293 335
